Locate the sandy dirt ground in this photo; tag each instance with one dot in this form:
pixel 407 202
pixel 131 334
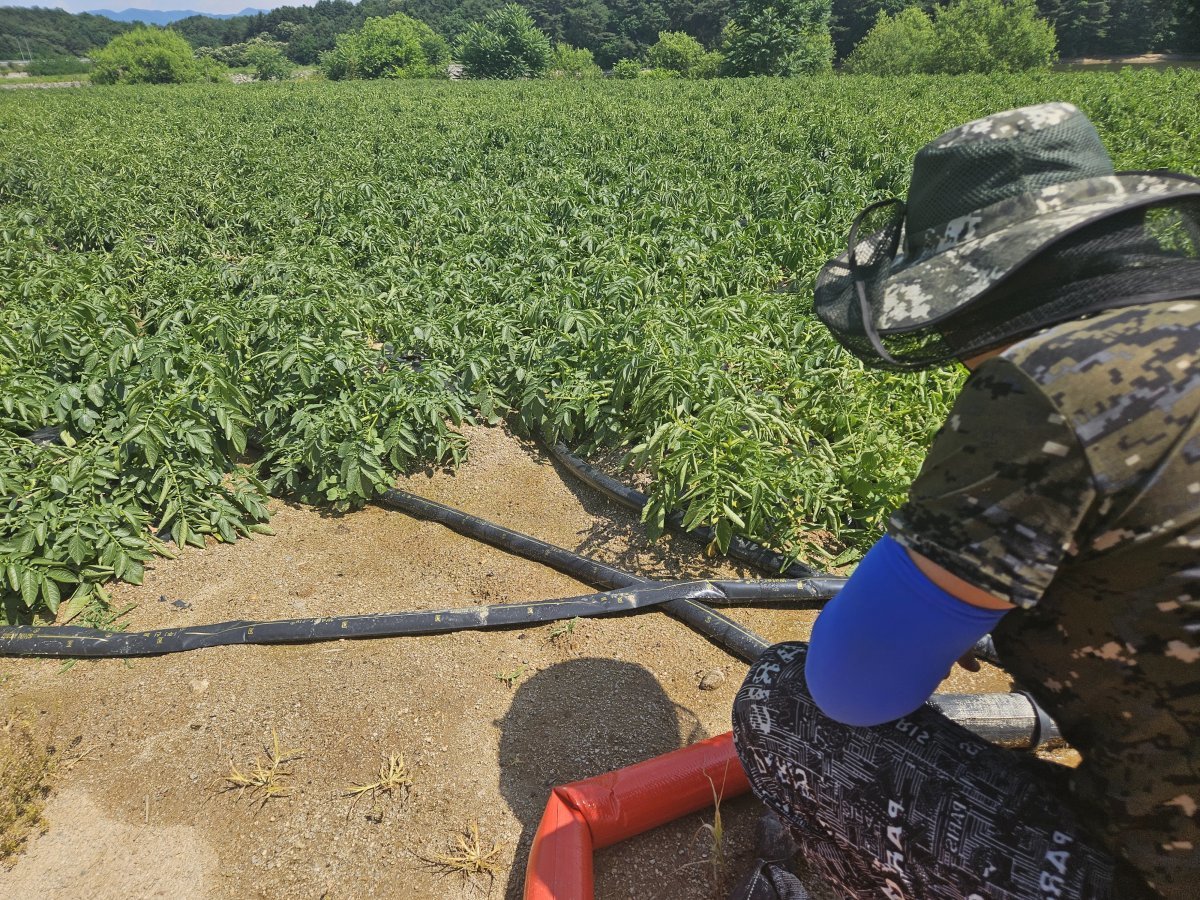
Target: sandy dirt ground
pixel 142 812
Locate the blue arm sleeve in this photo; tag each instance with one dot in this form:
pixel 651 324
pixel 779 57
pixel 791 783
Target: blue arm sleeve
pixel 882 645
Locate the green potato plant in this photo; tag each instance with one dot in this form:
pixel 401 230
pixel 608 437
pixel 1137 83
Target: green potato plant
pixel 210 296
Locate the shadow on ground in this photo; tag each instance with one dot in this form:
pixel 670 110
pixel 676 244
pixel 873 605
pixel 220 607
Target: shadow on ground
pixel 575 720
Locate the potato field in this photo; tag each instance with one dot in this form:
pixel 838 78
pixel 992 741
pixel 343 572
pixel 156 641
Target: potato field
pixel 211 295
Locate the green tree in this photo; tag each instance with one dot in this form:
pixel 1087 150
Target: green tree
pixel 626 68
pixel 506 44
pixel 269 63
pixel 1187 27
pixel 967 36
pixel 851 20
pixel 1080 25
pixel 676 52
pixel 991 36
pixel 582 23
pixel 681 53
pixel 778 37
pixel 1140 26
pixel 151 56
pixel 234 55
pixel 394 46
pixel 573 62
pixel 897 45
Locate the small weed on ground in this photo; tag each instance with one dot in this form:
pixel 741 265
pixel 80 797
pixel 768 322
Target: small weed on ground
pixel 468 856
pixel 511 678
pixel 716 834
pixel 265 778
pixel 26 763
pixel 394 781
pixel 562 634
pixel 714 859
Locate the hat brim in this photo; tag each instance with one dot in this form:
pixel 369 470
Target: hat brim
pixel 977 252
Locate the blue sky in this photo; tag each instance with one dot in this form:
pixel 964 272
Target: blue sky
pixel 212 6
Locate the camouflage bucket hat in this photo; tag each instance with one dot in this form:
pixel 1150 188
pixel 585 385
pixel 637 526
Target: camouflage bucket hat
pixel 985 199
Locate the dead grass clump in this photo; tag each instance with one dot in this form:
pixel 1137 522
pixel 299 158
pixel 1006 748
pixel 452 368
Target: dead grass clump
pixel 394 781
pixel 25 766
pixel 468 856
pixel 266 777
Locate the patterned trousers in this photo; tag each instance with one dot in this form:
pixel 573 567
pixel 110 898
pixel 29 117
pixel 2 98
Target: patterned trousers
pixel 916 809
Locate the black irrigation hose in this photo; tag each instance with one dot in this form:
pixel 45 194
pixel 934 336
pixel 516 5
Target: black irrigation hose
pixel 742 550
pixel 1007 719
pixel 722 630
pixel 745 551
pixel 72 641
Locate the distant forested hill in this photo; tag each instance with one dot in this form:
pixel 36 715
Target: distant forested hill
pixel 162 17
pixel 53 32
pixel 617 29
pixel 611 29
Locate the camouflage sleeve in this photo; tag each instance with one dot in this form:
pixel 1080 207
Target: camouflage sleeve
pixel 1003 489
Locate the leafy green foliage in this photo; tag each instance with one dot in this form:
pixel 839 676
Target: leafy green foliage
pixel 303 290
pixel 778 37
pixel 572 62
pixel 611 29
pixel 394 46
pixel 40 33
pixel 967 36
pixel 59 65
pixel 991 36
pixel 627 68
pixel 902 44
pixel 506 44
pixel 682 53
pixel 269 63
pixel 849 22
pixel 1081 26
pixel 238 55
pixel 150 56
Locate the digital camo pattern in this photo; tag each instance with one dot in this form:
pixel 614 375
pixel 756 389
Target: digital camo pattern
pixel 1004 126
pixel 1067 479
pixel 917 809
pixel 984 198
pixel 958 261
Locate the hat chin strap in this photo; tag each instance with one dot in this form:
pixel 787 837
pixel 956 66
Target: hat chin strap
pixel 864 306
